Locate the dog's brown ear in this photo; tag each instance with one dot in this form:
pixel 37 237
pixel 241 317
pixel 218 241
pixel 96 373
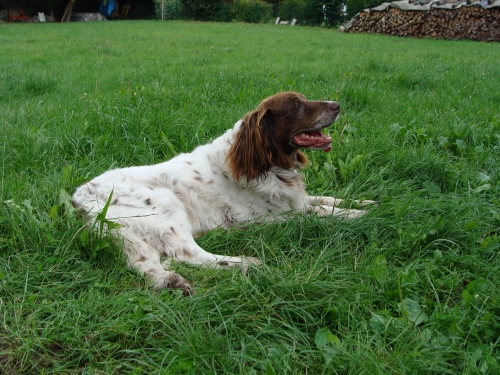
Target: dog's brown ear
pixel 250 155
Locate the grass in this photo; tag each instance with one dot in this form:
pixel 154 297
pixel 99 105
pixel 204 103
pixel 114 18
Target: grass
pixel 410 288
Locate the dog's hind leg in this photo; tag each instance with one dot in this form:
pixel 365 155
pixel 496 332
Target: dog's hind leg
pixel 146 259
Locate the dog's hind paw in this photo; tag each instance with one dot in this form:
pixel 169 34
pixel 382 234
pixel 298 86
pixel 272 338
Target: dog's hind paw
pixel 169 279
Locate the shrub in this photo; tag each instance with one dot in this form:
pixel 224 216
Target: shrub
pixel 356 6
pixel 172 9
pixel 292 9
pixel 329 12
pixel 252 11
pixel 203 10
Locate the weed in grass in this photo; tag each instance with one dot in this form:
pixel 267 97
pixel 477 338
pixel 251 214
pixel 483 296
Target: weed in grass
pixel 411 287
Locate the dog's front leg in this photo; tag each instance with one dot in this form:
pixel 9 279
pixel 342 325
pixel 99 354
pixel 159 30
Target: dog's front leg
pixel 187 250
pixel 323 210
pixel 195 255
pixel 335 202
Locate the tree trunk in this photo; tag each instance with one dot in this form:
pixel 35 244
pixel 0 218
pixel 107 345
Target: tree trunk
pixel 67 11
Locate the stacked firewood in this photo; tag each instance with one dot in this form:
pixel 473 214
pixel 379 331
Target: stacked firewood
pixel 466 22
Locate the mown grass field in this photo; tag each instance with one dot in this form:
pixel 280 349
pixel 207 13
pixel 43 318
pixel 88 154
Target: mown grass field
pixel 410 288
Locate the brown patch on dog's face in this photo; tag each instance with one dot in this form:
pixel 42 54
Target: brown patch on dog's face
pixel 297 122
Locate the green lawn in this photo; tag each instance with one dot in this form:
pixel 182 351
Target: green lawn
pixel 412 287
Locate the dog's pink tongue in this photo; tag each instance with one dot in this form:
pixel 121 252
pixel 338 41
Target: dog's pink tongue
pixel 313 139
pixel 328 149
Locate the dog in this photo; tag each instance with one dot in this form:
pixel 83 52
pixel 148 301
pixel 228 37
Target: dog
pixel 250 173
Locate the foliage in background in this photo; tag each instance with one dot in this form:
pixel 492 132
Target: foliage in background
pixel 169 9
pixel 353 7
pixel 203 10
pixel 310 12
pixel 256 11
pixel 307 12
pixel 318 12
pixel 291 9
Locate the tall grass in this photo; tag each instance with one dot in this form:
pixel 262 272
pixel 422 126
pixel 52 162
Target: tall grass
pixel 412 287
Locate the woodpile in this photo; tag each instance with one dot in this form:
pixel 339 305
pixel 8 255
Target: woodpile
pixel 442 20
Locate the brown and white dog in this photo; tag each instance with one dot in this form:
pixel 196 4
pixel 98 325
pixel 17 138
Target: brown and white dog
pixel 250 173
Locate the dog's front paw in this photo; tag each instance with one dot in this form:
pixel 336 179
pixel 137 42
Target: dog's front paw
pixel 348 214
pixel 249 261
pixel 367 203
pixel 236 262
pixel 253 261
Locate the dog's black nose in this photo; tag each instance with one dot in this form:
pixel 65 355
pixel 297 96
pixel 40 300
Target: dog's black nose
pixel 335 107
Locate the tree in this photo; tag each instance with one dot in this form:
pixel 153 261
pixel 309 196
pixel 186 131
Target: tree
pixel 333 12
pixel 318 12
pixel 356 6
pixel 203 10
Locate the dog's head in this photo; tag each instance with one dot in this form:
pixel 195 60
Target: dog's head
pixel 272 134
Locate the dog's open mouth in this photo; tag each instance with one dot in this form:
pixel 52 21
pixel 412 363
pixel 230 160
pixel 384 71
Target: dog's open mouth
pixel 313 139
